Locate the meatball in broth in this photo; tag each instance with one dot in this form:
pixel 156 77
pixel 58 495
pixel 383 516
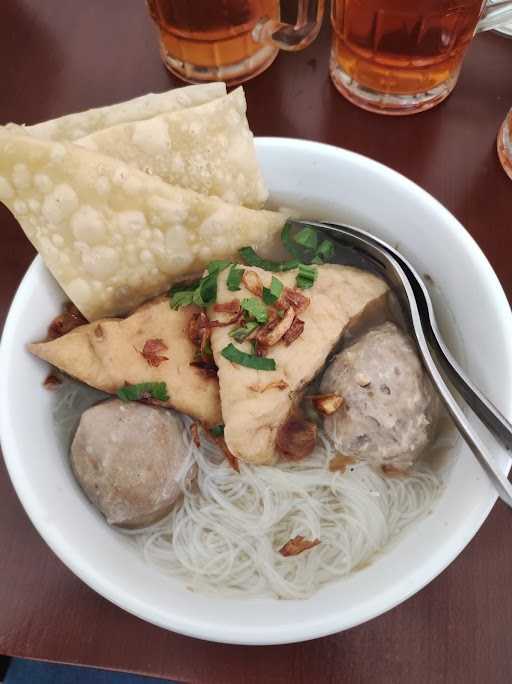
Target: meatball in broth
pixel 390 408
pixel 128 457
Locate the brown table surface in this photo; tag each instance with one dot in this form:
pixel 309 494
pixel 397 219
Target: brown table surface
pixel 58 57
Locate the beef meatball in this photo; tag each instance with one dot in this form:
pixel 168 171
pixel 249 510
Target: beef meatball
pixel 127 458
pixel 390 407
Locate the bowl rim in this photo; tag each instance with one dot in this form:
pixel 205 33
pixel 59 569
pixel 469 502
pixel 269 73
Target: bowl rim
pixel 316 627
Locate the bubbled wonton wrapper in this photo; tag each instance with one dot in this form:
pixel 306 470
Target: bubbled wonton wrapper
pixel 209 149
pixel 112 235
pixel 74 126
pixel 198 139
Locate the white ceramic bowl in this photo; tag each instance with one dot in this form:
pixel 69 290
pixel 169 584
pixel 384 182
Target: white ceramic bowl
pixel 323 182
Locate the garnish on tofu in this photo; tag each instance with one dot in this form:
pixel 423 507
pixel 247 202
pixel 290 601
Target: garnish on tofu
pixel 295 298
pixel 324 252
pixel 306 277
pixel 275 329
pixel 255 309
pixel 327 404
pixel 144 391
pixel 231 308
pixel 276 384
pixel 307 237
pixel 70 319
pixel 244 331
pixel 234 278
pixel 252 259
pixel 199 331
pixel 253 283
pixel 231 353
pixel 182 294
pixel 271 294
pixel 152 352
pixel 206 292
pixel 294 331
pixel 304 246
pixel 217 266
pixel 201 292
pixel 182 298
pixel 297 545
pixel 184 286
pixel 290 243
pixel 228 307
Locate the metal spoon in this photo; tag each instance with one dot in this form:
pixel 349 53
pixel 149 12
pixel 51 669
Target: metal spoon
pixel 415 299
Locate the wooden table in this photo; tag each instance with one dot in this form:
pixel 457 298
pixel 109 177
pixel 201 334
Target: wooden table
pixel 58 57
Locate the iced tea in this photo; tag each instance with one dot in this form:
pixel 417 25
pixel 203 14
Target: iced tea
pixel 203 40
pixel 400 55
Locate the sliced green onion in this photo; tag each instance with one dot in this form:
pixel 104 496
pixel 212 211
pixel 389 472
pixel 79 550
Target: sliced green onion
pixel 206 292
pixel 144 390
pixel 217 266
pixel 217 430
pixel 272 295
pixel 202 292
pixel 309 251
pixel 324 252
pixel 181 294
pixel 180 299
pixel 255 308
pixel 306 277
pixel 184 286
pixel 241 333
pixel 288 242
pixel 252 259
pixel 234 279
pixel 307 237
pixel 231 353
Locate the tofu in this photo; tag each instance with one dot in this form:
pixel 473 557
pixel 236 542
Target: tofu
pixel 107 354
pixel 340 296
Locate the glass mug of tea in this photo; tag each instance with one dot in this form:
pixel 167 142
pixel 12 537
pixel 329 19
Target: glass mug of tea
pixel 229 40
pixel 404 56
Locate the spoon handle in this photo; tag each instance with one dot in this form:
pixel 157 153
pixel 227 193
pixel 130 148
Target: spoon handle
pixel 423 333
pixel 483 408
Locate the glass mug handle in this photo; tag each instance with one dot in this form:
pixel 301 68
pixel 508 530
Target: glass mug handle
pixel 494 15
pixel 289 36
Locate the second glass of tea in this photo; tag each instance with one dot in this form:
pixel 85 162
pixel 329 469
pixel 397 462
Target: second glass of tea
pixel 404 56
pixel 229 40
